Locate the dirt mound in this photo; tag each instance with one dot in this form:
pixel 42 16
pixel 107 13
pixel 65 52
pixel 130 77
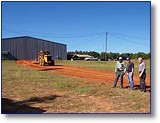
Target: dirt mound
pixel 86 73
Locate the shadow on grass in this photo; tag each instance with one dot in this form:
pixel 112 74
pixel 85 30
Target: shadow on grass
pixel 58 65
pixel 17 107
pixel 148 88
pixel 47 69
pixel 39 99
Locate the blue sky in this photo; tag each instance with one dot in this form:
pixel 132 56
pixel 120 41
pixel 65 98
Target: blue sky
pixel 81 25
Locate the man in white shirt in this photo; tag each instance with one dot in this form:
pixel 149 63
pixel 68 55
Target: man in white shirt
pixel 142 74
pixel 120 70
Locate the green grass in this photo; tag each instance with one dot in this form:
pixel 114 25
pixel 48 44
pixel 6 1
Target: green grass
pixel 14 72
pixel 54 92
pixel 100 65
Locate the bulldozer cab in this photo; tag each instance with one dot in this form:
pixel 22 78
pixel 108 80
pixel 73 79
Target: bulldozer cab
pixel 44 52
pixel 47 58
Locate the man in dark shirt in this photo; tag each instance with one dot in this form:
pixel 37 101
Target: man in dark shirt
pixel 130 71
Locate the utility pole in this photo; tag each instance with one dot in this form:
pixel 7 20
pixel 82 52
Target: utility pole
pixel 106 47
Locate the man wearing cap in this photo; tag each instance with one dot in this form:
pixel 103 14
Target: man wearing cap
pixel 120 70
pixel 142 74
pixel 130 70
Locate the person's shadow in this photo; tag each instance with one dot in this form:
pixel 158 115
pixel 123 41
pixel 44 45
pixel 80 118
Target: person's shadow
pixel 148 88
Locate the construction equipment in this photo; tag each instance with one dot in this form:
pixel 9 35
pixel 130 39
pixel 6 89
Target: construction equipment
pixel 44 58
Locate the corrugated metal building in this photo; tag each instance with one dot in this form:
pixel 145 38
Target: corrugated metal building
pixel 28 47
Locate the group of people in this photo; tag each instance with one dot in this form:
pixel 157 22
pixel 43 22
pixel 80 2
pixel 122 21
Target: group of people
pixel 121 69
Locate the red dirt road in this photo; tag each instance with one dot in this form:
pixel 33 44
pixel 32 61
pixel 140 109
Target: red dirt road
pixel 85 73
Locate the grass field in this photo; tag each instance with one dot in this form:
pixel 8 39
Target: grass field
pixel 101 65
pixel 26 90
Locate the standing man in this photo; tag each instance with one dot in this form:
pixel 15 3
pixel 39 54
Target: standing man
pixel 130 71
pixel 120 71
pixel 142 74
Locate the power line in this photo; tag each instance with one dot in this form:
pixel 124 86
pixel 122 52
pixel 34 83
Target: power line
pixel 54 35
pixel 139 43
pixel 84 41
pixel 129 36
pixel 116 35
pixel 72 36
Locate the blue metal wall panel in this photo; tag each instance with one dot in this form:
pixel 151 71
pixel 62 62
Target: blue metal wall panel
pixel 28 47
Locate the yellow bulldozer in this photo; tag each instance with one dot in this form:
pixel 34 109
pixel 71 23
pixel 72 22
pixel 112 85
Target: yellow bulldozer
pixel 44 58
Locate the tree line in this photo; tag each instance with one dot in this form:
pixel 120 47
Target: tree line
pixel 110 55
